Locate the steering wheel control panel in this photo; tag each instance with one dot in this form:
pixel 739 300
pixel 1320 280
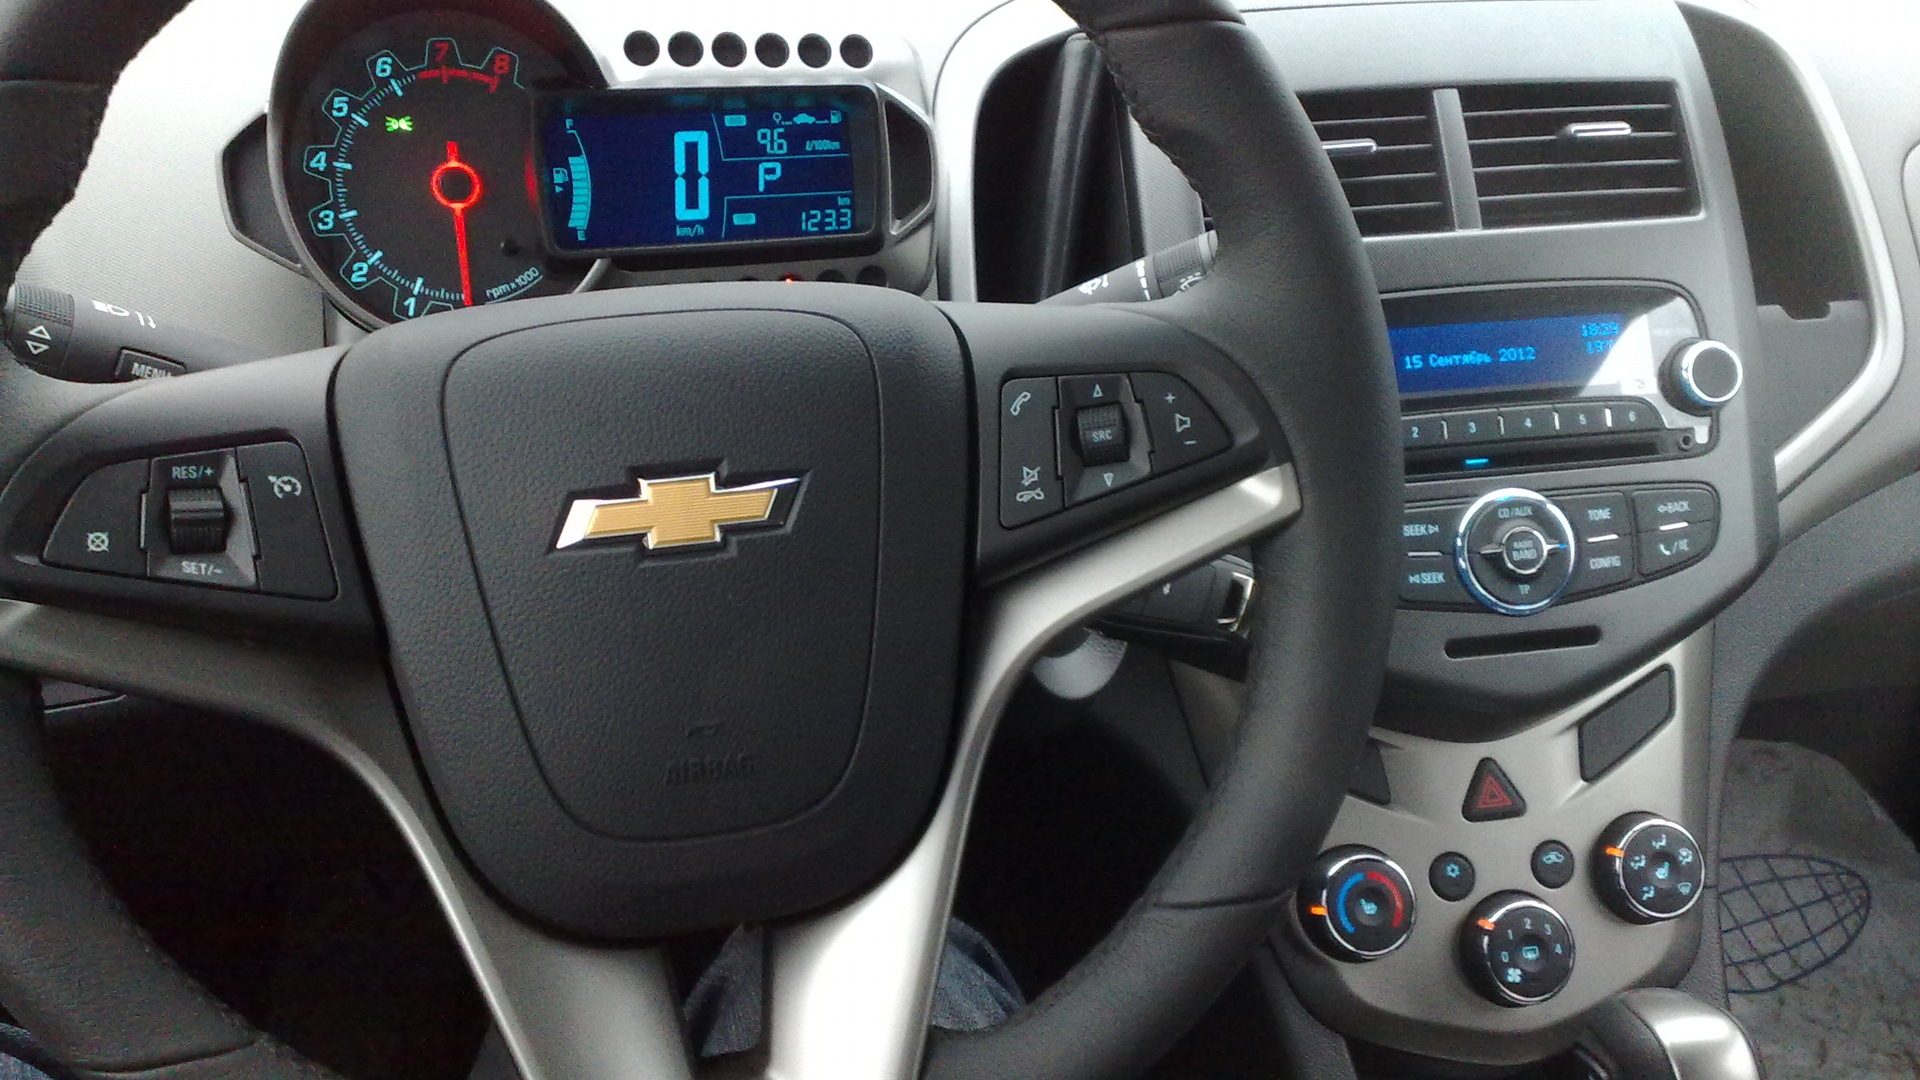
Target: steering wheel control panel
pixel 1070 440
pixel 1518 552
pixel 1515 949
pixel 242 518
pixel 1511 380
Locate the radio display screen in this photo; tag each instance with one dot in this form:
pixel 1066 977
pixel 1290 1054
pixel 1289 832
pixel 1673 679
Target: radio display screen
pixel 625 171
pixel 1464 357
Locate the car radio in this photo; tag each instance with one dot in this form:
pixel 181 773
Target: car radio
pixel 1504 380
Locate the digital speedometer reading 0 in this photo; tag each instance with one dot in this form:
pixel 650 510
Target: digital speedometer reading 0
pixel 413 148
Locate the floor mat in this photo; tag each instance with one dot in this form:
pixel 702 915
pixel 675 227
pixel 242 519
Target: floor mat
pixel 1819 918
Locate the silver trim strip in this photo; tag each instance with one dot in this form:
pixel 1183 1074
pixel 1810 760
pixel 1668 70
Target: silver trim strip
pixel 850 991
pixel 1847 413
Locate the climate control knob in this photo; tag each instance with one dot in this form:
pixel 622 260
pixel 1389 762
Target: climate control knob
pixel 1514 551
pixel 1516 949
pixel 1356 904
pixel 1703 375
pixel 1648 869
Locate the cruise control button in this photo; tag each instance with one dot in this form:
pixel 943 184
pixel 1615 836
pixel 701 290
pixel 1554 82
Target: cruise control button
pixel 1655 507
pixel 1451 876
pixel 1431 579
pixel 1583 419
pixel 293 559
pixel 1419 431
pixel 1480 426
pixel 1029 483
pixel 1182 426
pixel 1596 517
pixel 1602 565
pixel 1674 546
pixel 1531 422
pixel 100 528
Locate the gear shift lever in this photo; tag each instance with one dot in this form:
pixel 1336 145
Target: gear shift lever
pixel 1667 1035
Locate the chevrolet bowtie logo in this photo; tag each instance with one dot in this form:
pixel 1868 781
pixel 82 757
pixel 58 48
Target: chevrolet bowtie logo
pixel 683 511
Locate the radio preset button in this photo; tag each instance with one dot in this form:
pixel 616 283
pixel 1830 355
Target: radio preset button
pixel 1585 419
pixel 1635 416
pixel 1418 431
pixel 1530 422
pixel 1480 425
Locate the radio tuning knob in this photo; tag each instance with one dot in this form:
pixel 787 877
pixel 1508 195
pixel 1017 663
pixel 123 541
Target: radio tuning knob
pixel 1703 375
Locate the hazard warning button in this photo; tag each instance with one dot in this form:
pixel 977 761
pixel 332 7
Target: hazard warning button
pixel 1492 796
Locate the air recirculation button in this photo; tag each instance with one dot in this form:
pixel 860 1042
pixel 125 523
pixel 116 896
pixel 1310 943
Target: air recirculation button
pixel 1356 904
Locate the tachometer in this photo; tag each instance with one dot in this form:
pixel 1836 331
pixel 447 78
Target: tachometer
pixel 407 166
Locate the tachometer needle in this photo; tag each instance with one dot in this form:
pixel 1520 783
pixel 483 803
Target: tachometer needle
pixel 459 205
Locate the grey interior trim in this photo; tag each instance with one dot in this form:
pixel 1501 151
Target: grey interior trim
pixel 1801 454
pixel 850 989
pixel 986 47
pixel 1417 999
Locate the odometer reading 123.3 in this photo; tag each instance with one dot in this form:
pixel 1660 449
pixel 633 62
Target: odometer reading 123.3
pixel 426 170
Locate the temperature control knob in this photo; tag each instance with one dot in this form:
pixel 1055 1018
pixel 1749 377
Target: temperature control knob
pixel 1703 375
pixel 1648 869
pixel 1356 904
pixel 1517 950
pixel 1514 551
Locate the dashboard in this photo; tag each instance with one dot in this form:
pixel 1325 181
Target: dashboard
pixel 1646 266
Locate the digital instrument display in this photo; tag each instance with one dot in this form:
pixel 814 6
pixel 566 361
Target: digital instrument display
pixel 626 171
pixel 1460 357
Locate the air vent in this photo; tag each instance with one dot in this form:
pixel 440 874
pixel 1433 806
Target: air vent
pixel 1577 152
pixel 1384 148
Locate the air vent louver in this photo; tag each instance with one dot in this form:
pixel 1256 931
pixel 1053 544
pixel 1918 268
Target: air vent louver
pixel 1384 148
pixel 1577 152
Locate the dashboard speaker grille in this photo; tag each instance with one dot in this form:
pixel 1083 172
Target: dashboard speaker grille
pixel 1550 154
pixel 1385 149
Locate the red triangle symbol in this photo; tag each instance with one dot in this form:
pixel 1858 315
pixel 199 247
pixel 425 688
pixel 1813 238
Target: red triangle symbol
pixel 1493 795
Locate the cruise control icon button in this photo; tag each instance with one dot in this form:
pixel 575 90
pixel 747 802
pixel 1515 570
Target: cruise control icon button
pixel 1491 796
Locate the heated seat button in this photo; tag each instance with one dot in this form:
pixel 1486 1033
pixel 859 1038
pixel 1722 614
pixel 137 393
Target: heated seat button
pixel 1183 427
pixel 100 528
pixel 1029 479
pixel 292 558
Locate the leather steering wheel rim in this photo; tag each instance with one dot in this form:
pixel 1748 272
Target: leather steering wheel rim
pixel 1292 299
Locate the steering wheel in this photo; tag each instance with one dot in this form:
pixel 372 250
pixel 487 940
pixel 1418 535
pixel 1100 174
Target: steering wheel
pixel 522 703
